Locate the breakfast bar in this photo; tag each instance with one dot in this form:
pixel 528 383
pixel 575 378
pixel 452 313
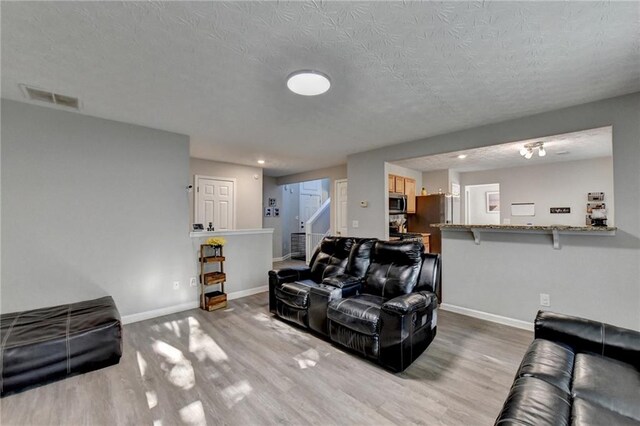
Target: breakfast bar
pixel 554 230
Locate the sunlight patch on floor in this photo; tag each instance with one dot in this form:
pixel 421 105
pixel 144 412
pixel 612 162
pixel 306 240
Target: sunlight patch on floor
pixel 142 364
pixel 193 414
pixel 236 392
pixel 176 366
pixel 262 317
pixel 152 399
pixel 307 359
pixel 202 345
pixel 173 326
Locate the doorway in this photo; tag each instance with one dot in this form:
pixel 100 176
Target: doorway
pixel 482 204
pixel 341 207
pixel 215 202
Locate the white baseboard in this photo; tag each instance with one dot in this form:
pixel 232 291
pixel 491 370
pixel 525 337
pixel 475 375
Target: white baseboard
pixel 524 325
pixel 283 258
pixel 128 319
pixel 249 292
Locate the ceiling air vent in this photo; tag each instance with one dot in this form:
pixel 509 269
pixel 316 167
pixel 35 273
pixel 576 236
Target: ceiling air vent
pixel 42 95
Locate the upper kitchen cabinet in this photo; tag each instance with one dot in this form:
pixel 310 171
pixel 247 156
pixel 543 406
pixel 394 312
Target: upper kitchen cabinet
pixel 399 188
pixel 406 186
pixel 410 192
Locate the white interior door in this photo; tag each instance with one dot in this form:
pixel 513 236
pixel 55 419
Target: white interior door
pixel 341 207
pixel 309 204
pixel 215 202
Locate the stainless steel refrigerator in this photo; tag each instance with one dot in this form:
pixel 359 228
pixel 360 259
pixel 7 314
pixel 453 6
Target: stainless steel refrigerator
pixel 430 209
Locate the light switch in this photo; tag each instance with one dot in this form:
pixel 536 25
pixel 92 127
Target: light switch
pixel 355 224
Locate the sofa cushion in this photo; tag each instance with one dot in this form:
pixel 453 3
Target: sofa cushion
pixel 332 258
pixel 586 413
pixel 607 382
pixel 360 257
pixel 359 313
pixel 394 269
pixel 295 294
pixel 534 402
pixel 548 361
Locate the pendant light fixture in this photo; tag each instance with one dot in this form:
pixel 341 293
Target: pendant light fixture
pixel 527 150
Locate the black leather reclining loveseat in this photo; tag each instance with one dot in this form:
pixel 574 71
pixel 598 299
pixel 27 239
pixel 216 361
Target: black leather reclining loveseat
pixel 576 372
pixel 376 298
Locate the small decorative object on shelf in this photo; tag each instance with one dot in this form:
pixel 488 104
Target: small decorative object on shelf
pixel 211 253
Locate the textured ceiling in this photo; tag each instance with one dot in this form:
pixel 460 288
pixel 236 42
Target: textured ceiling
pixel 594 143
pixel 400 70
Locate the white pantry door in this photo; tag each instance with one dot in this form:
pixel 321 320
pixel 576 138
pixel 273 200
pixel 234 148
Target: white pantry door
pixel 341 207
pixel 215 202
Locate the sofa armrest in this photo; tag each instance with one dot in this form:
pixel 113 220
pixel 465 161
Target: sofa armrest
pixel 288 275
pixel 285 275
pixel 585 335
pixel 409 303
pixel 342 281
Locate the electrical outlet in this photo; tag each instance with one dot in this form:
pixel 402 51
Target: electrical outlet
pixel 176 285
pixel 355 224
pixel 545 299
pixel 193 282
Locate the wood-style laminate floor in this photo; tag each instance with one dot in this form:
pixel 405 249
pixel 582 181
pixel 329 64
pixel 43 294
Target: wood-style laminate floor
pixel 241 366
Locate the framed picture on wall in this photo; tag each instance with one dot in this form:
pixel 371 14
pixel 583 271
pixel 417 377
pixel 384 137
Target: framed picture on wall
pixel 493 202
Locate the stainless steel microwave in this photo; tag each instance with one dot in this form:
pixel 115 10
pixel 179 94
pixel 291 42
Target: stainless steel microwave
pixel 397 203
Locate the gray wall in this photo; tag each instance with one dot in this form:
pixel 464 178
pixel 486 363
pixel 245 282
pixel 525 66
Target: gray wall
pixel 435 181
pixel 563 184
pixel 248 192
pixel 478 205
pixel 290 214
pixel 271 190
pixel 593 276
pixel 92 207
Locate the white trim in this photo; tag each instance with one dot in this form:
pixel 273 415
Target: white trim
pixel 128 319
pixel 195 198
pixel 142 316
pixel 249 292
pixel 524 325
pixel 232 232
pixel 282 259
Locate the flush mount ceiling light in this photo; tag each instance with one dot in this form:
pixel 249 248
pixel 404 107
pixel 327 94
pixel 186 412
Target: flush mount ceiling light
pixel 527 150
pixel 462 156
pixel 308 83
pixel 260 161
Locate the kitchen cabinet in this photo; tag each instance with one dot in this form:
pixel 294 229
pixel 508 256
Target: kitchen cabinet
pixel 399 184
pixel 406 186
pixel 410 192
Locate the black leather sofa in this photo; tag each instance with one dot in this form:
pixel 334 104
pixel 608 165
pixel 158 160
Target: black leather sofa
pixel 43 345
pixel 374 297
pixel 576 372
pixel 393 318
pixel 290 296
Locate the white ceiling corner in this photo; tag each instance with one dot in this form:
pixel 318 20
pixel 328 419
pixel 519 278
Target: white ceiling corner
pixel 400 71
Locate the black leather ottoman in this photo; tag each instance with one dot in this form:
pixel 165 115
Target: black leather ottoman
pixel 48 344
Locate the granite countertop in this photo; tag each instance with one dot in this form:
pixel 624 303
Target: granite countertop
pixel 527 227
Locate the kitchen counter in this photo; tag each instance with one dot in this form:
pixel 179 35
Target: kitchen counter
pixel 554 230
